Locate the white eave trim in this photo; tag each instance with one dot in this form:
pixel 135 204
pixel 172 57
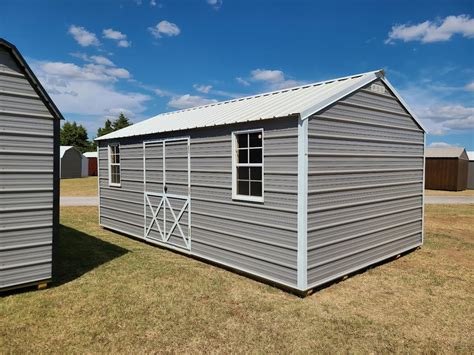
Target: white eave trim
pixel 339 95
pixel 404 104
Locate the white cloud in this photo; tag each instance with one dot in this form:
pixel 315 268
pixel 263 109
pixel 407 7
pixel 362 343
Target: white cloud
pixel 202 88
pixel 216 4
pixel 89 72
pixel 164 28
pixel 242 81
pixel 439 115
pixel 442 145
pixel 119 37
pixel 83 37
pixel 113 34
pixel 89 90
pixel 274 79
pixel 268 75
pixel 470 86
pixel 187 101
pixel 152 3
pixel 124 43
pixel 433 31
pixel 99 59
pixel 118 73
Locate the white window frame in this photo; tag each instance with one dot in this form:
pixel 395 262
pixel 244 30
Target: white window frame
pixel 109 152
pixel 235 164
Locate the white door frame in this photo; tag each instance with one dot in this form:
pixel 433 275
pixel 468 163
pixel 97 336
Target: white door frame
pixel 165 203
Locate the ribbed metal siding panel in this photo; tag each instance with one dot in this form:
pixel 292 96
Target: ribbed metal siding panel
pixel 26 179
pixel 365 184
pixel 256 238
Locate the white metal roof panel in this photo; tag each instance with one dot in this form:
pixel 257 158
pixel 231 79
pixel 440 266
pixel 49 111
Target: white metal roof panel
pixel 302 100
pixel 470 155
pixel 90 154
pixel 63 149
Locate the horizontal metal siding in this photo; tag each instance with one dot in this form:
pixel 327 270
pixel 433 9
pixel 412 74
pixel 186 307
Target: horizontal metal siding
pixel 26 183
pixel 256 238
pixel 365 184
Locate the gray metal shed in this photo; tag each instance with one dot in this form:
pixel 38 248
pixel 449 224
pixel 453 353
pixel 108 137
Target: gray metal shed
pixel 470 173
pixel 71 162
pixel 29 174
pixel 297 187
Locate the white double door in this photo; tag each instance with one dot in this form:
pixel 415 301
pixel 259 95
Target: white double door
pixel 167 192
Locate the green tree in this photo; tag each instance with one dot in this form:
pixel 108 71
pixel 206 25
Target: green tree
pixel 121 122
pixel 76 135
pixel 106 129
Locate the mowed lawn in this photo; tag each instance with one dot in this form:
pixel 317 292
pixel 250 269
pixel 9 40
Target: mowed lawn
pixel 82 187
pixel 115 294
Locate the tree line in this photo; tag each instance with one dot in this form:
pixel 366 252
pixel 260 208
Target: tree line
pixel 76 134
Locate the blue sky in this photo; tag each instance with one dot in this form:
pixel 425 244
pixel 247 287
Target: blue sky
pixel 97 58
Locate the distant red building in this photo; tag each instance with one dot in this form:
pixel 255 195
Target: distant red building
pixel 92 163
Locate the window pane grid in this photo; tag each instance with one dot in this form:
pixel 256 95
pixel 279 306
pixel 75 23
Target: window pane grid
pixel 114 164
pixel 249 164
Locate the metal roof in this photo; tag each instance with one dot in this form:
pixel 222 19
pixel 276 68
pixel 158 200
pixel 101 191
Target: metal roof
pixel 470 155
pixel 64 148
pixel 302 101
pixel 90 154
pixel 449 152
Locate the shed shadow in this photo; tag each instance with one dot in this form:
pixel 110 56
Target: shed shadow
pixel 77 253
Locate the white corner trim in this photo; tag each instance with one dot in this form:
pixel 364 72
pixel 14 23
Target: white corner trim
pixel 302 254
pixel 99 192
pixel 423 196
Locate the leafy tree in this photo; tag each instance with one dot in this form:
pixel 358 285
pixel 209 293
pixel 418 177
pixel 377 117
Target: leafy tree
pixel 76 135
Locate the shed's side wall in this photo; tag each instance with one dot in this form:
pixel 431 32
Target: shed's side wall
pixel 365 183
pixel 257 238
pixel 26 179
pixel 442 174
pixel 470 176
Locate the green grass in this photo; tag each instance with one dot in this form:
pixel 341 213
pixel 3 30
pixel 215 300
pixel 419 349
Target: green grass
pixel 82 187
pixel 466 193
pixel 115 294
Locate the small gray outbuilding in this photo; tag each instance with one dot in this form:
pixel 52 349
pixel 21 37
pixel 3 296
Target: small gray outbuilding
pixel 470 174
pixel 71 162
pixel 29 174
pixel 298 187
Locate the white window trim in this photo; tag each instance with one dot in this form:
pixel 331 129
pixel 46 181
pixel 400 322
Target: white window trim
pixel 235 196
pixel 109 164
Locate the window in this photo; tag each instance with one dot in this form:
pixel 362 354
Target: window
pixel 248 165
pixel 114 165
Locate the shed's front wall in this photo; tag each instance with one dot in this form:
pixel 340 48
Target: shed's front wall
pixel 365 182
pixel 71 164
pixel 259 238
pixel 26 180
pixel 446 174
